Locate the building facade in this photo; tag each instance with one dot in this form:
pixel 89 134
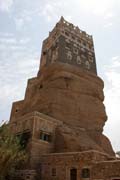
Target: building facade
pixel 62 116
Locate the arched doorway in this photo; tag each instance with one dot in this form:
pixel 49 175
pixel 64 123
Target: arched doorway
pixel 73 174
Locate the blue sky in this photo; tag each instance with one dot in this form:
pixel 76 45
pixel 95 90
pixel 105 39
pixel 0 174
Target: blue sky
pixel 25 23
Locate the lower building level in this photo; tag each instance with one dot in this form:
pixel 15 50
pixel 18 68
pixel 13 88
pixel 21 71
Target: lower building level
pixel 87 165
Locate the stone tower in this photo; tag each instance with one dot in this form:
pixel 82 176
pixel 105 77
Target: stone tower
pixel 68 44
pixel 63 108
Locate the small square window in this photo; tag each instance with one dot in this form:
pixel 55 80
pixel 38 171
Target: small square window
pixel 85 173
pixel 66 33
pixel 16 110
pixel 83 49
pixel 68 45
pixel 78 40
pixel 45 137
pixel 44 53
pixel 84 44
pixel 83 56
pixel 27 177
pixel 75 50
pixel 69 55
pixel 73 37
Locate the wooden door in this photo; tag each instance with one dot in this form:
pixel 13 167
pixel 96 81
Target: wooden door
pixel 73 174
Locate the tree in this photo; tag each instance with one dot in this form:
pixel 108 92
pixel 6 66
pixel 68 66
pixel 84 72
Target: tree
pixel 12 155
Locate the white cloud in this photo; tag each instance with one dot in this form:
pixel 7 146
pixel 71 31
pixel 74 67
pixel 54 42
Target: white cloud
pixel 17 64
pixel 109 15
pixel 15 44
pixel 23 17
pixel 68 18
pixel 115 64
pixel 5 5
pixel 115 57
pixel 95 6
pixel 112 101
pixel 52 9
pixel 19 23
pixel 24 41
pixel 6 34
pixel 8 40
pixel 108 24
pixel 48 11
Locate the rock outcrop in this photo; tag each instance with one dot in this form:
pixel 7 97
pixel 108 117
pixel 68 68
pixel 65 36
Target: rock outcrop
pixel 73 96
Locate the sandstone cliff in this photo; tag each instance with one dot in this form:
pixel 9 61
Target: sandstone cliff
pixel 75 97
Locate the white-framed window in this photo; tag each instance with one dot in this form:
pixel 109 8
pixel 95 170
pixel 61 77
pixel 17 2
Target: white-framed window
pixel 75 50
pixel 85 173
pixel 79 60
pixel 45 136
pixel 54 55
pixel 87 64
pixel 91 59
pixel 69 55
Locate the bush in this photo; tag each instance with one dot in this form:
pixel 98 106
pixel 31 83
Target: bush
pixel 12 155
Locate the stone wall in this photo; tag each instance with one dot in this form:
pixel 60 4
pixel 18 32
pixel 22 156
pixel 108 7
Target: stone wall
pixel 75 98
pixel 25 175
pixel 62 163
pixel 58 166
pixel 106 170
